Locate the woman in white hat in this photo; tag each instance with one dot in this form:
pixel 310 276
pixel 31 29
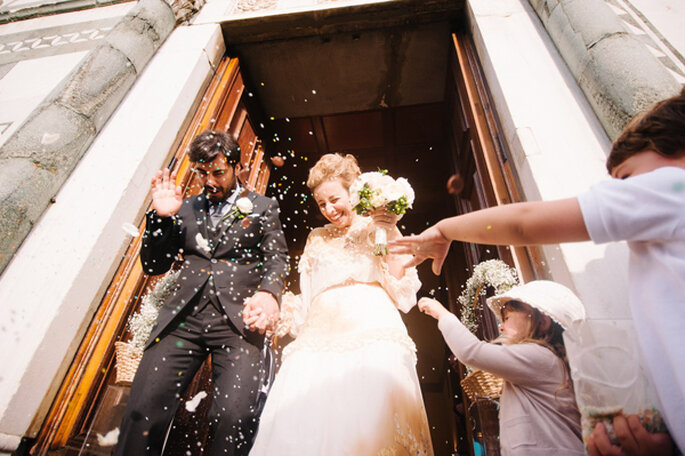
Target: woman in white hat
pixel 538 412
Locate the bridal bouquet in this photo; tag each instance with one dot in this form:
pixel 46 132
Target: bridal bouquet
pixel 375 190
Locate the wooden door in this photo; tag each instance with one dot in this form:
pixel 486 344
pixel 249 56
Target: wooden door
pixel 483 177
pixel 88 401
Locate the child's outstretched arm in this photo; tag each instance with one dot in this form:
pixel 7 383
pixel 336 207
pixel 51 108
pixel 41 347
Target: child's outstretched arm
pixel 432 307
pixel 521 364
pixel 540 222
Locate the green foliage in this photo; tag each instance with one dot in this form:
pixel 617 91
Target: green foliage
pixel 364 206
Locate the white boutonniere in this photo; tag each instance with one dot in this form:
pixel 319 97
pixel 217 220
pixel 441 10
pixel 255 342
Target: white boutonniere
pixel 242 208
pixel 202 243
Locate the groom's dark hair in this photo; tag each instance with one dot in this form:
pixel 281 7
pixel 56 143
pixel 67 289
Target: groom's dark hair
pixel 209 144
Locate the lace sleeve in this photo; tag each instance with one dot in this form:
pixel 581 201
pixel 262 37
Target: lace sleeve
pixel 402 291
pixel 293 314
pixel 294 307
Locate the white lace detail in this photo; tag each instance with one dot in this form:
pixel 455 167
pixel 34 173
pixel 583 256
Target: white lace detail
pixel 293 314
pixel 406 440
pixel 333 256
pixel 346 342
pixel 402 291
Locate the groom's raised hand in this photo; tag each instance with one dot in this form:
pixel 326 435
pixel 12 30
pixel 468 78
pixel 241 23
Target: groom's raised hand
pixel 167 197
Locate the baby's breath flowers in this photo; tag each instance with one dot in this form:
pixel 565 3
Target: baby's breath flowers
pixel 140 324
pixel 494 273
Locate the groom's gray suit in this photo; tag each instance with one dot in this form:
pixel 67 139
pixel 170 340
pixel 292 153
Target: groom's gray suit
pixel 221 267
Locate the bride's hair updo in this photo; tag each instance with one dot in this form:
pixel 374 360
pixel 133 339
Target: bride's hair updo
pixel 334 166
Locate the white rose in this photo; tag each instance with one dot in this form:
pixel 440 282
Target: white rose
pixel 357 185
pixel 407 189
pixel 378 200
pixel 354 198
pixel 393 192
pixel 244 205
pixel 373 178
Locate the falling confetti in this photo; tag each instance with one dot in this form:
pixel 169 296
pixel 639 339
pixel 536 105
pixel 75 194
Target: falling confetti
pixel 130 229
pixel 192 404
pixel 109 439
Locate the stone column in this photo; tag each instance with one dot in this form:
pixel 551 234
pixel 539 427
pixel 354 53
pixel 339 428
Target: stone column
pixel 618 74
pixel 38 158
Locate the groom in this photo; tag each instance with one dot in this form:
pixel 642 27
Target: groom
pixel 234 262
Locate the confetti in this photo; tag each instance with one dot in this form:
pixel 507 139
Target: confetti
pixel 192 404
pixel 109 439
pixel 130 229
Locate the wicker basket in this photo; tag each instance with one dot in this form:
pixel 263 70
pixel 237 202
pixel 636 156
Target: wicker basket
pixel 482 384
pixel 128 359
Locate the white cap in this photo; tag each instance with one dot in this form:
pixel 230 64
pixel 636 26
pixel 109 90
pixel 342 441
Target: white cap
pixel 551 298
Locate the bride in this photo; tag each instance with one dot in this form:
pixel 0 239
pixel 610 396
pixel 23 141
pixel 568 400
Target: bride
pixel 347 385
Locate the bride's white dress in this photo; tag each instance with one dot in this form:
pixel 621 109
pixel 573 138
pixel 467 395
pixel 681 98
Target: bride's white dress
pixel 347 385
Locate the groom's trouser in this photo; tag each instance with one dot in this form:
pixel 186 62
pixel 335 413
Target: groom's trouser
pixel 168 367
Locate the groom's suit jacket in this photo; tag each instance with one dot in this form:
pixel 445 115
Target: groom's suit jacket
pixel 236 259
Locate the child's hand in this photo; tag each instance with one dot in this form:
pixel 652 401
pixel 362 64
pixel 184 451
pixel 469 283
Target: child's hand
pixel 429 244
pixel 432 307
pixel 634 439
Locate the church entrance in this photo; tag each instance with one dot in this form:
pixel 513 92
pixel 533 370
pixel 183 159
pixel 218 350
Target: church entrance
pixel 407 96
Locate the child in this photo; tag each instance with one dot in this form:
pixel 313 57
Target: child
pixel 644 205
pixel 538 413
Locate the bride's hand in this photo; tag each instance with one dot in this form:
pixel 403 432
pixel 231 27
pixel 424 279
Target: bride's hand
pixel 384 219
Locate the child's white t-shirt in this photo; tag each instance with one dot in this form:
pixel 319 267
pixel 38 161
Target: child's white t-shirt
pixel 648 211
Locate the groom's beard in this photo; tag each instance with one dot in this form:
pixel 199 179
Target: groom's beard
pixel 215 194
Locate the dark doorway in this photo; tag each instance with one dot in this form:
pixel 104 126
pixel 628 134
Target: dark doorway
pixel 377 90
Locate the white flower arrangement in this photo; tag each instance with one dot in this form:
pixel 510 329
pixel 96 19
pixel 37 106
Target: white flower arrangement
pixel 494 273
pixel 375 190
pixel 140 324
pixel 242 208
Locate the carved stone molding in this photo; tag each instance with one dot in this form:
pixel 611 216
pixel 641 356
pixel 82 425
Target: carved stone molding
pixel 637 24
pixel 62 39
pixel 184 9
pixel 246 6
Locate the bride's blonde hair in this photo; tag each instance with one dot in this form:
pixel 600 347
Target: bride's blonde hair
pixel 334 166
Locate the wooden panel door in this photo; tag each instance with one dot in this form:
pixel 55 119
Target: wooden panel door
pixel 88 396
pixel 486 179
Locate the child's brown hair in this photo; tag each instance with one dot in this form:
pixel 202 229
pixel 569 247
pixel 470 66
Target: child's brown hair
pixel 661 129
pixel 550 337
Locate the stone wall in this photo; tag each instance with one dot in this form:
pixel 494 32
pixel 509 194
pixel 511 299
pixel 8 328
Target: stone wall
pixel 617 73
pixel 41 154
